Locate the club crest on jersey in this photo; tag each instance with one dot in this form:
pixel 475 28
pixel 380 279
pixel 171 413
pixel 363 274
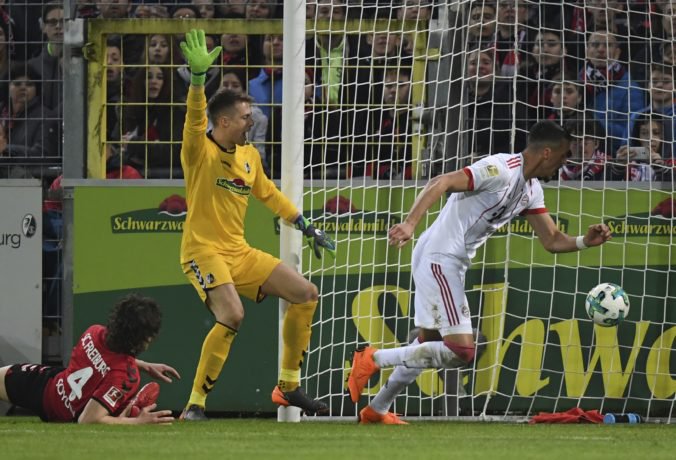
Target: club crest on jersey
pixel 112 396
pixel 247 167
pixel 465 311
pixel 236 185
pixel 524 200
pixel 488 171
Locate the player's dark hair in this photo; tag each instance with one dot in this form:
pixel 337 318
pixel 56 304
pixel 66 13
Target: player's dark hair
pixel 547 134
pixel 133 321
pixel 223 101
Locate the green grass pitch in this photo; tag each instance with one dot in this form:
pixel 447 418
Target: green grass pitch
pixel 28 438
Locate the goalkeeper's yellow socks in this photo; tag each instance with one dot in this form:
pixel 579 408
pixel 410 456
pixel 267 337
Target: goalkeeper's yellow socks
pixel 215 351
pixel 296 336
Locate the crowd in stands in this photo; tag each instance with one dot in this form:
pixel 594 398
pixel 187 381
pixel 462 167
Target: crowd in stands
pixel 604 69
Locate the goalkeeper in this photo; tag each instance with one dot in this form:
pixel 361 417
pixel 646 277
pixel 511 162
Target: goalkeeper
pixel 221 171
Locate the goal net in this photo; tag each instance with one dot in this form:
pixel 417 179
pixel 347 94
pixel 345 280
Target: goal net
pixel 399 92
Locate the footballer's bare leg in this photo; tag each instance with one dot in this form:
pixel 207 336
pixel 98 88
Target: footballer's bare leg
pixel 287 283
pixel 302 296
pixel 225 304
pixel 3 390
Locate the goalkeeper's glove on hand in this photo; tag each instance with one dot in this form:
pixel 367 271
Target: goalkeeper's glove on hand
pixel 195 53
pixel 315 238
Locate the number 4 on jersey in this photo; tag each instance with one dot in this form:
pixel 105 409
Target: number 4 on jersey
pixel 77 380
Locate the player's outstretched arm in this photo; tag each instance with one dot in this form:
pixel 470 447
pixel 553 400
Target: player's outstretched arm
pixel 554 240
pixel 315 238
pixel 457 181
pixel 94 412
pixel 195 52
pixel 158 371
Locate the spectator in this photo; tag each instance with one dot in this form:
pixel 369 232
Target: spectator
pixel 260 9
pixel 241 51
pixel 641 159
pixel 114 9
pixel 162 50
pixel 393 151
pixel 4 61
pixel 30 129
pixel 114 84
pixel 550 64
pixel 230 8
pixel 86 9
pixel 328 53
pixel 185 11
pixel 490 102
pixel 567 102
pixel 48 64
pixel 266 88
pixel 481 25
pixel 661 102
pixel 611 95
pixel 588 160
pixel 234 80
pixel 340 77
pixel 150 10
pixel 206 8
pixel 152 127
pixel 415 10
pixel 158 50
pixel 513 37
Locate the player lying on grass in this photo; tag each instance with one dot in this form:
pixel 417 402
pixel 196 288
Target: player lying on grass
pixel 102 376
pixel 483 197
pixel 222 171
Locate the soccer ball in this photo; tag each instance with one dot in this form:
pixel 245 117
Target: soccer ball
pixel 607 304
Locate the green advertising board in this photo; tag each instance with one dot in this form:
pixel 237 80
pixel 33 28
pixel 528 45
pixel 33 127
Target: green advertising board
pixel 542 353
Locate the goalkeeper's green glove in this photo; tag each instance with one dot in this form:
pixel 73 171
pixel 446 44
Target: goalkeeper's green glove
pixel 195 53
pixel 315 238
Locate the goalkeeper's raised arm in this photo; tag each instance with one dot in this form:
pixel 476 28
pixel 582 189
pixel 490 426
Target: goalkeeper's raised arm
pixel 197 56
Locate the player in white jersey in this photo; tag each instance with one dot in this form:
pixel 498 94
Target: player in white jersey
pixel 484 196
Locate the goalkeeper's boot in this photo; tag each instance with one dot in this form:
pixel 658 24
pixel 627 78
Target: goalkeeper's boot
pixel 193 413
pixel 363 367
pixel 299 398
pixel 368 415
pixel 145 397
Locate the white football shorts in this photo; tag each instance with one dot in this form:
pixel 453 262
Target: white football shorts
pixel 440 301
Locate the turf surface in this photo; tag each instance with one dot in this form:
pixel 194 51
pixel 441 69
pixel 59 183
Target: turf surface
pixel 28 438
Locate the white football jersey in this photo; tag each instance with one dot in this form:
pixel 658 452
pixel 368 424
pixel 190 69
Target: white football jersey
pixel 497 193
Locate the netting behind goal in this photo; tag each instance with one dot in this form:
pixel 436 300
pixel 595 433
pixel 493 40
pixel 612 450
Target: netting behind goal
pixel 400 92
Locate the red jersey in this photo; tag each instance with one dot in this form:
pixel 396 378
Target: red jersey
pixel 94 372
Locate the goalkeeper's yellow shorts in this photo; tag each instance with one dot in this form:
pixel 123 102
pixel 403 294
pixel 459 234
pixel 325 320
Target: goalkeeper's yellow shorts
pixel 247 271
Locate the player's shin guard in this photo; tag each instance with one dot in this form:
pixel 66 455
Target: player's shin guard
pixel 215 351
pixel 296 336
pixel 398 381
pixel 423 356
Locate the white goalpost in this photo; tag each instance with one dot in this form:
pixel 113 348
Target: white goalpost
pixel 399 92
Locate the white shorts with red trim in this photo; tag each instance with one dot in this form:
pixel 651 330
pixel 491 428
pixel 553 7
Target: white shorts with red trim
pixel 440 301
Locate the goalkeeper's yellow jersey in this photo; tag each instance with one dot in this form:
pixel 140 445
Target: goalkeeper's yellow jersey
pixel 218 184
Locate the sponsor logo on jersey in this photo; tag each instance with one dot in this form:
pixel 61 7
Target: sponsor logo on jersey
pixel 112 396
pixel 236 185
pixel 168 217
